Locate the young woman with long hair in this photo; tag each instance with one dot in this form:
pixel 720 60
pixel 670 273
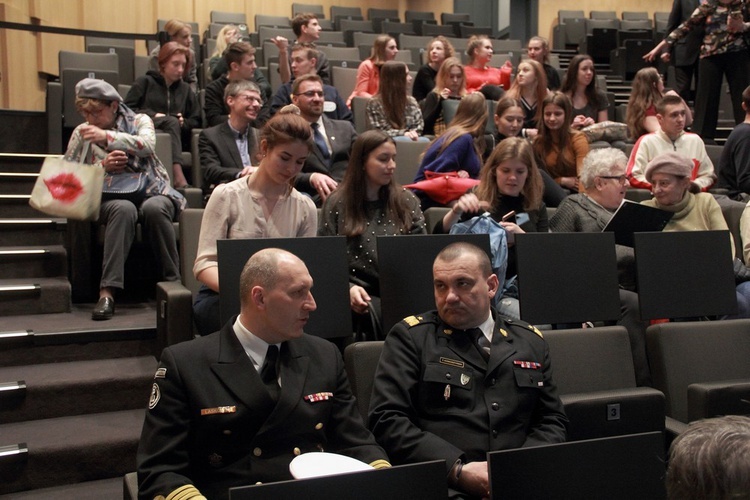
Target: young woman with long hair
pixel 530 87
pixel 509 182
pixel 538 50
pixel 509 116
pixel 261 205
pixel 226 37
pixel 392 110
pixel 450 83
pixel 384 49
pixel 560 149
pixel 589 102
pixel 460 148
pixel 438 50
pixel 480 76
pixel 369 203
pixel 647 90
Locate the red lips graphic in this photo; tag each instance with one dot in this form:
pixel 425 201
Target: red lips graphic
pixel 64 187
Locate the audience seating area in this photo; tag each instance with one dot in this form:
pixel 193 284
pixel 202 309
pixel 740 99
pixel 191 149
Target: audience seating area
pixel 47 391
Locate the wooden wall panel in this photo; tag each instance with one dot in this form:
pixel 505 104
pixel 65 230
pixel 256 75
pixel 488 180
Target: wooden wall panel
pixel 20 85
pixel 50 13
pixel 28 54
pixel 436 6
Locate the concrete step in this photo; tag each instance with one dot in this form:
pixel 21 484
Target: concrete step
pixel 16 205
pixel 69 450
pixel 51 390
pixel 29 163
pixel 33 262
pixel 17 182
pixel 89 490
pixel 34 296
pixel 73 336
pixel 32 231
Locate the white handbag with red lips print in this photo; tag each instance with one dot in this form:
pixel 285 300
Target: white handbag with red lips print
pixel 68 189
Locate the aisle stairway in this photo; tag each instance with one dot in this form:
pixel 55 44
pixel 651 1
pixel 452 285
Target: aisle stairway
pixel 72 391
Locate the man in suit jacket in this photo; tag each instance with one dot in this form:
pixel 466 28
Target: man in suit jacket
pixel 235 407
pixel 304 58
pixel 229 150
pixel 239 57
pixel 685 52
pixel 459 382
pixel 327 162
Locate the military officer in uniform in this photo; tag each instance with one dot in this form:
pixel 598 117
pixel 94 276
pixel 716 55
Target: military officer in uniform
pixel 235 407
pixel 458 382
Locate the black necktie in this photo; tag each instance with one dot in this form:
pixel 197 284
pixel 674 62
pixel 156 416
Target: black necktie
pixel 319 140
pixel 268 372
pixel 480 341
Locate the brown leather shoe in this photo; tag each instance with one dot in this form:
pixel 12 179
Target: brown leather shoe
pixel 104 309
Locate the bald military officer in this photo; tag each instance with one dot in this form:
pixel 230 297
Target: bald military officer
pixel 235 407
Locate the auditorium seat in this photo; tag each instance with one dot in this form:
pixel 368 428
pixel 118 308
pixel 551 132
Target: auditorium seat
pixel 361 361
pixel 691 359
pixel 594 374
pixel 174 319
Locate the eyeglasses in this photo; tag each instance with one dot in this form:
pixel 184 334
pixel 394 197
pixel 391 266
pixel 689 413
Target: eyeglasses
pixel 311 93
pixel 248 98
pixel 622 179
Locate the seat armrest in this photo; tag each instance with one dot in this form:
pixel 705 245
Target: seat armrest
pixel 194 196
pixel 673 429
pixel 615 412
pixel 130 486
pixel 713 399
pixel 174 314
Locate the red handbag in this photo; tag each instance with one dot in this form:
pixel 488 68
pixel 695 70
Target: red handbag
pixel 443 187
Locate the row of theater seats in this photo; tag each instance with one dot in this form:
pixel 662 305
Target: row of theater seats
pixel 539 256
pixel 573 26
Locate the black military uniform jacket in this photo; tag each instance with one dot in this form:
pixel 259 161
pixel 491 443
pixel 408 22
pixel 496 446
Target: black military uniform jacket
pixel 435 397
pixel 211 422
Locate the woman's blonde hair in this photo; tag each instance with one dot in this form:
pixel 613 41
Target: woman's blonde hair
pixel 473 44
pixel 447 46
pixel 512 148
pixel 221 42
pixel 471 118
pixel 174 26
pixel 541 86
pixel 443 75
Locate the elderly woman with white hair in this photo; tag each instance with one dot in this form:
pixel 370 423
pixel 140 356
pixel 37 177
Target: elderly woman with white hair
pixel 669 175
pixel 604 183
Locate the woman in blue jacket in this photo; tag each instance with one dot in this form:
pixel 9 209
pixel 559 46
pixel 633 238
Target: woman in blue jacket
pixel 460 148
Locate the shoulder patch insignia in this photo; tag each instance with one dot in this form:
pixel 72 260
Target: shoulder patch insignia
pixel 529 327
pixel 412 320
pixel 155 396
